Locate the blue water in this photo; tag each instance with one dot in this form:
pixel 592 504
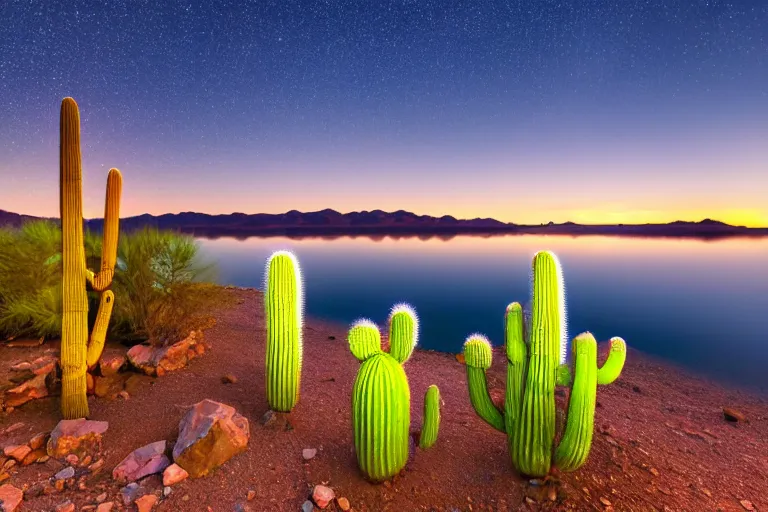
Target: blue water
pixel 701 304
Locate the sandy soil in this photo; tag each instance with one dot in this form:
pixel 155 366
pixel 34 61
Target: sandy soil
pixel 661 442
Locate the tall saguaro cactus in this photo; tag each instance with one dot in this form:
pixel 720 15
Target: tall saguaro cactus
pixel 381 397
pixel 534 367
pixel 284 303
pixel 77 354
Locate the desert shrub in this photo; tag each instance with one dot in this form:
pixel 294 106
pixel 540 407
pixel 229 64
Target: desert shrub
pixel 159 290
pixel 161 293
pixel 30 280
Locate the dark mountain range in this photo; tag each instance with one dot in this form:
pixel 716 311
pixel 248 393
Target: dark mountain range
pixel 377 222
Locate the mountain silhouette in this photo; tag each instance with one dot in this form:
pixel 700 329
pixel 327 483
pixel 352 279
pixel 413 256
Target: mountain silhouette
pixel 378 222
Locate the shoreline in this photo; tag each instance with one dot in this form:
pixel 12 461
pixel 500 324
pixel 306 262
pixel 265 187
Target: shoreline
pixel 660 439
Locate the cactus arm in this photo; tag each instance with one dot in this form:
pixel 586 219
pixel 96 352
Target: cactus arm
pixel 403 332
pixel 431 418
pixel 283 301
pixel 99 333
pixel 612 367
pixel 103 279
pixel 364 339
pixel 478 358
pixel 532 448
pixel 74 328
pixel 517 358
pixel 563 375
pixel 573 450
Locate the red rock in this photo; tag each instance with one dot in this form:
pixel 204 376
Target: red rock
pixel 322 496
pixel 10 497
pixel 105 507
pixel 67 506
pixel 174 474
pixel 210 434
pixel 80 437
pixel 33 456
pixel 112 365
pixel 146 502
pixel 18 452
pixel 157 361
pixel 29 390
pixel 38 440
pixel 142 357
pixel 731 414
pixel 175 357
pixel 147 460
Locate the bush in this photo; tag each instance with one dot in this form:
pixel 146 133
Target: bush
pixel 30 280
pixel 159 293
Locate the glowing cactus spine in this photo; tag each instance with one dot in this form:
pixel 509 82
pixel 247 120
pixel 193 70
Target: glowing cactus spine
pixel 77 354
pixel 284 302
pixel 533 370
pixel 381 397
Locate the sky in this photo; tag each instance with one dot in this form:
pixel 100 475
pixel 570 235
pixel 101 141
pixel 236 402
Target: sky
pixel 573 110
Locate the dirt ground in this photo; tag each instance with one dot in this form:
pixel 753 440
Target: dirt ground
pixel 661 441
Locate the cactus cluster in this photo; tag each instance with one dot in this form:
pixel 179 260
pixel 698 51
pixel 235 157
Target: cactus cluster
pixel 381 397
pixel 77 353
pixel 536 363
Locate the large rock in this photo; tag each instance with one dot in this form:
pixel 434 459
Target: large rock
pixel 156 361
pixel 41 366
pixel 210 434
pixel 10 498
pixel 79 437
pixel 147 460
pixel 35 387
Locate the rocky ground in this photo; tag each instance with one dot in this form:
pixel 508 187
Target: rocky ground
pixel 662 440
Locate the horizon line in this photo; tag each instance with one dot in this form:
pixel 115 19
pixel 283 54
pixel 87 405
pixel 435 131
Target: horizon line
pixel 406 211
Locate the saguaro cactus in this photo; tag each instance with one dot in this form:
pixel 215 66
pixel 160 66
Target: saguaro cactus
pixel 534 367
pixel 284 302
pixel 77 354
pixel 381 397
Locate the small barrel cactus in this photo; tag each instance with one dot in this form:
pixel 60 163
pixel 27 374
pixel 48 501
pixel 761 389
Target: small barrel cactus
pixel 284 304
pixel 534 368
pixel 381 397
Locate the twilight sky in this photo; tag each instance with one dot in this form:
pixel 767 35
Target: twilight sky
pixel 526 111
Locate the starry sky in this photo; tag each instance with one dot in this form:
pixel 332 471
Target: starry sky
pixel 584 110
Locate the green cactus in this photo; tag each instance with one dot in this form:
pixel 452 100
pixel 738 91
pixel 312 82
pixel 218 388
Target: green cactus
pixel 284 303
pixel 381 397
pixel 431 425
pixel 534 369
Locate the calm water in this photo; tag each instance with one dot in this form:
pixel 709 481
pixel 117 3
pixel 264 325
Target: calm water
pixel 701 304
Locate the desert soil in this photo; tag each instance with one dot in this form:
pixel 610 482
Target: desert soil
pixel 661 441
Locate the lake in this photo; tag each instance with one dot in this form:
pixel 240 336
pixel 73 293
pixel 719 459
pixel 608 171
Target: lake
pixel 701 304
